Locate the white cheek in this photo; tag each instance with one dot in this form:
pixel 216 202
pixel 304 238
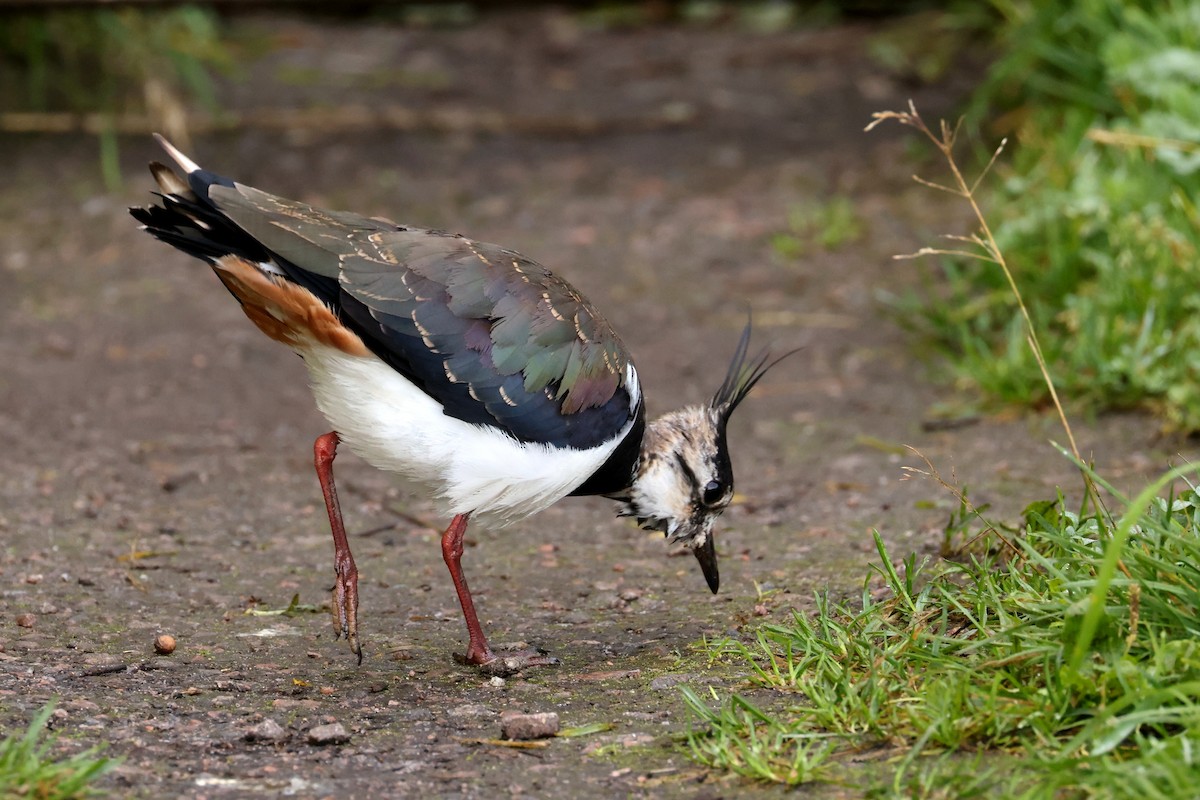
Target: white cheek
pixel 660 493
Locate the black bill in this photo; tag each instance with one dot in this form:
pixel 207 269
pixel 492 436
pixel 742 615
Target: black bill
pixel 706 554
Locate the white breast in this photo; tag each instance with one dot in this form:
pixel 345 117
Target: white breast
pixel 394 426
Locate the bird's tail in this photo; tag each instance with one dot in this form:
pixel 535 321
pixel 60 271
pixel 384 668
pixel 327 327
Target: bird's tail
pixel 188 220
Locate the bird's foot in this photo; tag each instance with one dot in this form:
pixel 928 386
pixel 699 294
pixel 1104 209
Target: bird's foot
pixel 508 661
pixel 345 607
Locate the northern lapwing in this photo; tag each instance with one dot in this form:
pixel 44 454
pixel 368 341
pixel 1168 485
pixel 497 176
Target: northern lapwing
pixel 463 365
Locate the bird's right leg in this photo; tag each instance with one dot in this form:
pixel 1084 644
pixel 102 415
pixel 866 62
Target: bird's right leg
pixel 345 587
pixel 478 651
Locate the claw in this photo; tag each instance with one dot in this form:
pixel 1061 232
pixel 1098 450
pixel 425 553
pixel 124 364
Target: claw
pixel 507 663
pixel 345 605
pixel 345 587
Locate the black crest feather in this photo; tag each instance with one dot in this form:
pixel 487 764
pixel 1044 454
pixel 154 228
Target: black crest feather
pixel 743 374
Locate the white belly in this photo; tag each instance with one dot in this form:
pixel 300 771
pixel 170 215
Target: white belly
pixel 394 426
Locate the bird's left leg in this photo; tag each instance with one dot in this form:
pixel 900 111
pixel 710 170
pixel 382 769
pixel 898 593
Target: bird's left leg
pixel 345 587
pixel 478 652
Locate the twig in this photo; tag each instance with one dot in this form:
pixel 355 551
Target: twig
pixel 135 666
pixel 107 669
pixel 1127 139
pixel 989 527
pixel 518 745
pixel 413 519
pixel 945 144
pixel 390 526
pixel 988 167
pixel 352 118
pixel 932 251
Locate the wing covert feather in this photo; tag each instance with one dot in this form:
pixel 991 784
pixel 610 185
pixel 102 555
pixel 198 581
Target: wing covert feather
pixel 507 335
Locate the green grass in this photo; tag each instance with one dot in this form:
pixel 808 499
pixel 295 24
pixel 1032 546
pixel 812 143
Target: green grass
pixel 108 60
pixel 112 62
pixel 1058 658
pixel 993 654
pixel 1096 212
pixel 27 769
pixel 828 225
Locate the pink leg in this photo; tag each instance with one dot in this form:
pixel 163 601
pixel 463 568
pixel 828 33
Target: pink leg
pixel 478 651
pixel 345 587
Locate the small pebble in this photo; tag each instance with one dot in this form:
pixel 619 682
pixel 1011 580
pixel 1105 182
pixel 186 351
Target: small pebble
pixel 267 731
pixel 670 680
pixel 164 644
pixel 82 705
pixel 328 734
pixel 25 620
pixel 470 710
pixel 521 727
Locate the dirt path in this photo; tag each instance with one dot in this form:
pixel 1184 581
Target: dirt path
pixel 156 473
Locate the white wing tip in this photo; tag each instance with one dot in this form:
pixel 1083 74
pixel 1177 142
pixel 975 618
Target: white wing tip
pixel 183 161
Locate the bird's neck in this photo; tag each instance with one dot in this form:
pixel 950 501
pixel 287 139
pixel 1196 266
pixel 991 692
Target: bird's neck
pixel 617 473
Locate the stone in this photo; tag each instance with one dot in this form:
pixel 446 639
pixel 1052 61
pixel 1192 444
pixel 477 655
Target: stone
pixel 522 727
pixel 328 734
pixel 268 731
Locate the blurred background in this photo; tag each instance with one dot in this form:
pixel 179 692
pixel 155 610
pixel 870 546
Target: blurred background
pixel 1094 201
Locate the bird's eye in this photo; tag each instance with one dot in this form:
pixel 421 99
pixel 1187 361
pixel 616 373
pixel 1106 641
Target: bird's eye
pixel 714 491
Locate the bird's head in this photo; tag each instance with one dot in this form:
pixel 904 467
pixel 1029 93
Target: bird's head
pixel 684 477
